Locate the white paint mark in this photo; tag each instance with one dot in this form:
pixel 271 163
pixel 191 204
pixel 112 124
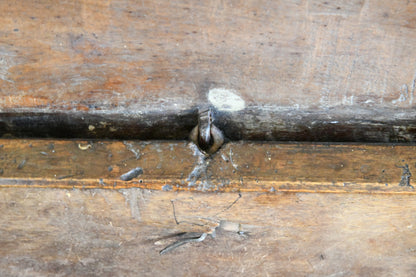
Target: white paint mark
pixel 6 62
pixel 226 100
pixel 348 100
pixel 134 197
pixel 404 95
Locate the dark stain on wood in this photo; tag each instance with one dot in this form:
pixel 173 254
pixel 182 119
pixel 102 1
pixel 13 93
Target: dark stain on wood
pixel 244 125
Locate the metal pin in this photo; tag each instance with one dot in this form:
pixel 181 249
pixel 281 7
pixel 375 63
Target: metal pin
pixel 206 135
pixel 205 125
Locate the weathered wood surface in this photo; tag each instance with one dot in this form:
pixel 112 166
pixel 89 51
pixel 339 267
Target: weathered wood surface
pixel 120 233
pixel 66 212
pixel 236 167
pixel 291 70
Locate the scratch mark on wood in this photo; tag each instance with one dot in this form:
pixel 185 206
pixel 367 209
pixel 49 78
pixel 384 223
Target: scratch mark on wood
pixel 231 159
pixel 182 221
pixel 182 242
pixel 65 176
pixel 231 205
pixel 174 212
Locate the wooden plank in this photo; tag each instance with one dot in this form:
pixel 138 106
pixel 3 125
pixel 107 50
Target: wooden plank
pixel 236 167
pixel 274 70
pixel 120 233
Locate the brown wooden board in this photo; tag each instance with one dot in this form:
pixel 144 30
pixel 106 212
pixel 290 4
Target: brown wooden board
pixel 120 233
pixel 268 209
pixel 236 167
pixel 273 70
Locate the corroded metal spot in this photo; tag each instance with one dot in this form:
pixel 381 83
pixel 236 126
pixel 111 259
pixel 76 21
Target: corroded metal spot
pixel 206 135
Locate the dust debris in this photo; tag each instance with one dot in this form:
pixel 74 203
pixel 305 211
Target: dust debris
pixel 167 188
pixel 199 175
pixel 44 153
pixel 131 174
pixel 91 127
pixel 224 157
pixel 110 168
pixel 405 178
pixel 130 147
pixel 22 164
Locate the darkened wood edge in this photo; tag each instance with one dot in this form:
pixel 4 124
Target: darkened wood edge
pixel 257 123
pixel 86 125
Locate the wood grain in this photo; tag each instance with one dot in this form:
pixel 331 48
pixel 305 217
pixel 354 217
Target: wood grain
pixel 305 70
pixel 65 210
pixel 236 167
pixel 120 233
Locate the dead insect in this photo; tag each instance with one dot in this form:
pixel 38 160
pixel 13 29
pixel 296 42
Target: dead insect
pixel 84 147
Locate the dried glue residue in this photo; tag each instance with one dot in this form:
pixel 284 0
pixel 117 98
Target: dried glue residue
pixel 226 100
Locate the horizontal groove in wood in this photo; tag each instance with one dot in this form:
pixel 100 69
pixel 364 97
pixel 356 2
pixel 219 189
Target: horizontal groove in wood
pixel 236 167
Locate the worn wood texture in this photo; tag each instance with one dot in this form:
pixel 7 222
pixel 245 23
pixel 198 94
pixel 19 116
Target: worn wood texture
pixel 120 233
pixel 236 167
pixel 66 211
pixel 300 70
